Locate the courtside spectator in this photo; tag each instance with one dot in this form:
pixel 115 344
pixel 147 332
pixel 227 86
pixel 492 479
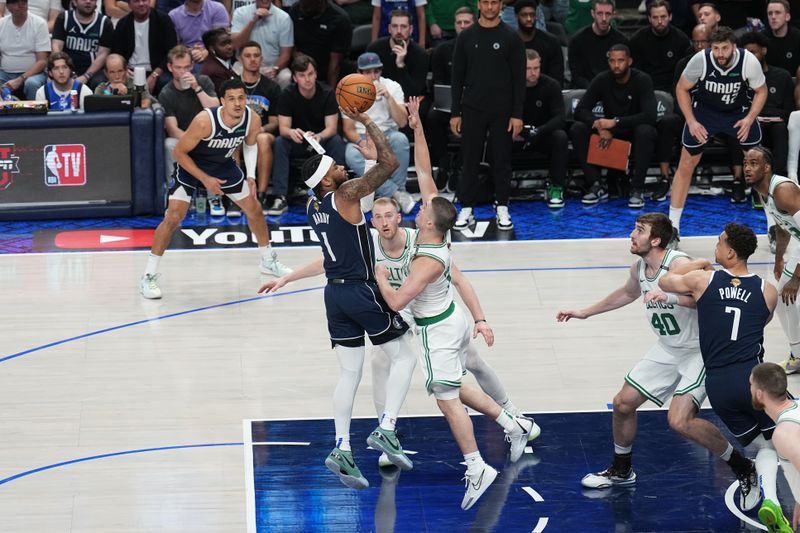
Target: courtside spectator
pixel 47 10
pixel 272 28
pixel 657 48
pixel 548 47
pixel 382 13
pixel 783 49
pixel 218 66
pixel 588 49
pixel 404 61
pixel 57 91
pixel 119 82
pixel 193 19
pixel 323 32
pixel 87 36
pixel 24 47
pixel 144 37
pixel 708 14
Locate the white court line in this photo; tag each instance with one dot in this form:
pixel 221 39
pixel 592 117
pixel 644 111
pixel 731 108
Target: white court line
pixel 249 478
pixel 540 525
pixel 733 508
pixel 533 494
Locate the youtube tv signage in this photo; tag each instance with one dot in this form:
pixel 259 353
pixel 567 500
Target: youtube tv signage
pixel 64 166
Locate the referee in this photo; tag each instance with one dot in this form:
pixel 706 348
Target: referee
pixel 488 89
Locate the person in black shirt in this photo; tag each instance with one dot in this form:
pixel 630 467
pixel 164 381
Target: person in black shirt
pixel 657 48
pixel 404 61
pixel 587 53
pixel 543 130
pixel 701 39
pixel 437 122
pixel 488 88
pixel 323 31
pixel 783 40
pixel 779 105
pixel 263 95
pixel 548 47
pixel 629 109
pixel 86 35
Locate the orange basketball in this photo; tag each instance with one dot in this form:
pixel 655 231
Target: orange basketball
pixel 355 90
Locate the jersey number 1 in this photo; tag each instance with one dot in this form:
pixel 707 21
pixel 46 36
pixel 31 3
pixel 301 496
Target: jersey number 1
pixel 737 314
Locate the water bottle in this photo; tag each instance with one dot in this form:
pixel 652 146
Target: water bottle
pixel 200 202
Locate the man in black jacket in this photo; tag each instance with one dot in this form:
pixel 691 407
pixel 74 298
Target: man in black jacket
pixel 404 61
pixel 488 88
pixel 658 47
pixel 587 51
pixel 548 47
pixel 160 39
pixel 629 109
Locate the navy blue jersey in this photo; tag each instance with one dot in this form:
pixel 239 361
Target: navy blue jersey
pixel 724 89
pixel 731 315
pixel 348 249
pixel 81 41
pixel 213 154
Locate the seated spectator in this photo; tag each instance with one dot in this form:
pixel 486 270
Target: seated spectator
pixel 47 10
pixel 774 115
pixel 218 65
pixel 87 36
pixel 437 123
pixel 588 49
pixel 119 82
pixel 783 40
pixel 57 91
pixel 382 13
pixel 701 39
pixel 390 115
pixel 732 13
pixel 323 32
pixel 263 95
pixel 24 47
pixel 306 107
pixel 547 46
pixel 183 98
pixel 193 19
pixel 543 132
pixel 272 28
pixel 440 16
pixel 404 61
pixel 144 37
pixel 629 113
pixel 657 48
pixel 708 14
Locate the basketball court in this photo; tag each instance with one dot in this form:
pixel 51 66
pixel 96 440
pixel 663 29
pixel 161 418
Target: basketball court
pixel 209 410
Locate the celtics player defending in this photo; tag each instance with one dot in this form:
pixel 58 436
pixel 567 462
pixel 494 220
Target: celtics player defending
pixel 204 156
pixel 782 197
pixel 443 327
pixel 672 368
pixel 768 392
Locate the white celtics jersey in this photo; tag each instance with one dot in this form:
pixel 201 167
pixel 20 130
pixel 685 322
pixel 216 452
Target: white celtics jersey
pixel 791 416
pixel 398 266
pixel 785 220
pixel 437 297
pixel 675 326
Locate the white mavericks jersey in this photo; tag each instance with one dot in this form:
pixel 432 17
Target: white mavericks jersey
pixel 791 415
pixel 437 297
pixel 675 325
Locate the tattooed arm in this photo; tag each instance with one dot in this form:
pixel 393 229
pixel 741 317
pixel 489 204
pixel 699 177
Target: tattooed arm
pixel 349 194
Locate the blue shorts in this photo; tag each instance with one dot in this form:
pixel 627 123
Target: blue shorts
pixel 230 172
pixel 728 390
pixel 718 123
pixel 357 307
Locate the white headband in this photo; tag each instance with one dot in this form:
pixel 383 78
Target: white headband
pixel 322 169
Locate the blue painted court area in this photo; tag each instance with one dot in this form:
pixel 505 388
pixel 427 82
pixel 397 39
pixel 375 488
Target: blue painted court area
pixel 680 486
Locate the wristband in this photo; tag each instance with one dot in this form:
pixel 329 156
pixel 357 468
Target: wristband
pixel 672 298
pixel 199 90
pixel 481 320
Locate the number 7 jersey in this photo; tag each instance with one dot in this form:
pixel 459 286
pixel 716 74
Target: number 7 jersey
pixel 674 325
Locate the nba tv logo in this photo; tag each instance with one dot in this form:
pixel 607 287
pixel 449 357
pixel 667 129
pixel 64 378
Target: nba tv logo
pixel 8 165
pixel 64 165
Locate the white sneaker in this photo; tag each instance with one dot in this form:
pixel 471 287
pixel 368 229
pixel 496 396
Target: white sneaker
pixel 215 207
pixel 476 484
pixel 749 491
pixel 503 218
pixel 383 461
pixel 608 478
pixel 148 287
pixel 535 431
pixel 406 201
pixel 464 219
pixel 273 266
pixel 518 437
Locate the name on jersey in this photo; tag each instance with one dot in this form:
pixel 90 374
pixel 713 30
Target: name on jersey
pixel 231 142
pixel 658 305
pixel 396 274
pixel 734 293
pixel 321 218
pixel 81 44
pixel 719 87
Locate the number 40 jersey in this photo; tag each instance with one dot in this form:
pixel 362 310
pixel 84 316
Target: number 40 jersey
pixel 675 326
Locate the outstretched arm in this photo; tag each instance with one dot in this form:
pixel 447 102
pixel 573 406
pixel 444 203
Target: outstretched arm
pixel 694 283
pixel 616 299
pixel 422 158
pixel 309 270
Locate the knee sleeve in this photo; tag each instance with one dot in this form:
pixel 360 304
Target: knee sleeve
pixel 444 392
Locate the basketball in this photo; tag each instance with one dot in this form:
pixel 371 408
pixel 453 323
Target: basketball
pixel 355 90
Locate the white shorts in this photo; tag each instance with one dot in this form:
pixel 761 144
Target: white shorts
pixel 443 350
pixel 664 373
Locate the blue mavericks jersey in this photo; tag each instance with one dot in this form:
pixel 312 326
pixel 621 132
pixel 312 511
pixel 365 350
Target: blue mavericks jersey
pixel 61 102
pixel 348 249
pixel 213 154
pixel 731 315
pixel 724 90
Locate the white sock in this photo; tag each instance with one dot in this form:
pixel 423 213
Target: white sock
pixel 388 421
pixel 474 461
pixel 350 363
pixel 726 455
pixel 266 251
pixel 343 443
pixel 152 264
pixel 767 468
pixel 622 450
pixel 506 420
pixel 675 216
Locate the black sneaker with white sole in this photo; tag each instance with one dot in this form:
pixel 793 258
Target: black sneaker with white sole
pixel 278 207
